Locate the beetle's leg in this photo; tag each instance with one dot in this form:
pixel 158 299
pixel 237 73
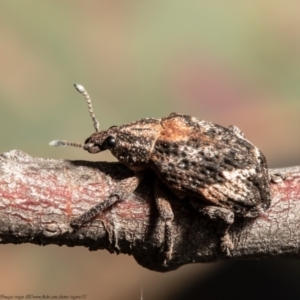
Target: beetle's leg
pixel 167 216
pixel 224 218
pixel 77 222
pixel 124 188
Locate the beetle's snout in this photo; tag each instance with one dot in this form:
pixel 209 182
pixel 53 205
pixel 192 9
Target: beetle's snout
pixel 91 146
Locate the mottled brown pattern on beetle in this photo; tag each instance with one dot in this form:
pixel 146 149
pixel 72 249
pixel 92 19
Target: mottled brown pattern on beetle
pixel 134 142
pixel 174 130
pixel 194 164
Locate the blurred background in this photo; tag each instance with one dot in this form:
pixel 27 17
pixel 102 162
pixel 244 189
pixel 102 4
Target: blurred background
pixel 227 62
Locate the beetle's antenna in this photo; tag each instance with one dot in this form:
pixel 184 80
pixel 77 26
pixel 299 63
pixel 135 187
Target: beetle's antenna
pixel 85 94
pixel 59 143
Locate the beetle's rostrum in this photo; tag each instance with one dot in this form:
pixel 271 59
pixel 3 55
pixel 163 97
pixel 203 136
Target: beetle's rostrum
pixel 216 168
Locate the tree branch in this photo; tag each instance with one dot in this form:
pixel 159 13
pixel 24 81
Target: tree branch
pixel 38 197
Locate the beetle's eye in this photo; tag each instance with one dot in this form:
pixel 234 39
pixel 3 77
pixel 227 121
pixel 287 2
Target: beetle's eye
pixel 110 141
pixel 87 141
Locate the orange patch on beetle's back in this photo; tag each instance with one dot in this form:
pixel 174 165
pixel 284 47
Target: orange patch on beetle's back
pixel 175 129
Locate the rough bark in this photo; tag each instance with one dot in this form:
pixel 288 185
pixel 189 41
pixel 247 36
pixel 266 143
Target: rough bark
pixel 38 197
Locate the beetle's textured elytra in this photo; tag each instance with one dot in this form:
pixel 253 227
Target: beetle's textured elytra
pixel 193 158
pixel 221 172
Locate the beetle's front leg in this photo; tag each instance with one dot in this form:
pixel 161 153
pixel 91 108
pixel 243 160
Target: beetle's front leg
pixel 167 216
pixel 124 188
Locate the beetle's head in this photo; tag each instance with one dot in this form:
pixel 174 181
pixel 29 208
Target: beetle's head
pixel 131 144
pixel 100 141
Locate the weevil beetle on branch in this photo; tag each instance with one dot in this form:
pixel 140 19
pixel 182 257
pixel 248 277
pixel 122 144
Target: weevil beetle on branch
pixel 217 169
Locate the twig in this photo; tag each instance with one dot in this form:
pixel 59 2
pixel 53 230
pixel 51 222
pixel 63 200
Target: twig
pixel 38 197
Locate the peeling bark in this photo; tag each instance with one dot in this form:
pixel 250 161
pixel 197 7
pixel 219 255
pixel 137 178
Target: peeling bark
pixel 38 197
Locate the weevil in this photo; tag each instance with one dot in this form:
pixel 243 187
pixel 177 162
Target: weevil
pixel 217 169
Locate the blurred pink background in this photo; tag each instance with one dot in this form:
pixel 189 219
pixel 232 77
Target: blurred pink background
pixel 227 62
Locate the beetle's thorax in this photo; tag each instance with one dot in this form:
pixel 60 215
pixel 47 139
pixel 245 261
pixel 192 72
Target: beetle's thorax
pixel 131 144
